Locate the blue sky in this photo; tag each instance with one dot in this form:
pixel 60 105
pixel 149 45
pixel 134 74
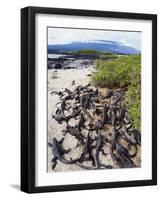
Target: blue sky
pixel 64 35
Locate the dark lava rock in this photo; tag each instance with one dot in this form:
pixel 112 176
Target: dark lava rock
pixel 58 66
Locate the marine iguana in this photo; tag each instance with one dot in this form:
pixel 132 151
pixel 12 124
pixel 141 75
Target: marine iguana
pixel 87 102
pixel 69 91
pixel 58 116
pixel 66 98
pixel 58 153
pixel 58 93
pixel 82 101
pixel 99 143
pixel 113 142
pixel 94 93
pixel 75 113
pixel 109 95
pixel 129 138
pixel 87 152
pixel 81 121
pixel 122 160
pixel 78 89
pixel 122 113
pixel 74 131
pixel 63 107
pixel 100 124
pixel 118 98
pixel 98 147
pixel 137 136
pixel 125 151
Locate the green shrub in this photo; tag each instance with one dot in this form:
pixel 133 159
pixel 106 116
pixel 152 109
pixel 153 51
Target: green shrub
pixel 124 71
pixel 54 75
pixel 108 56
pixel 90 51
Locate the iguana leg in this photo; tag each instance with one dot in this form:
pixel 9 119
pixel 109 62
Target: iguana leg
pixel 93 161
pixel 64 132
pixel 50 144
pixel 61 141
pixel 66 150
pixel 54 162
pixel 103 152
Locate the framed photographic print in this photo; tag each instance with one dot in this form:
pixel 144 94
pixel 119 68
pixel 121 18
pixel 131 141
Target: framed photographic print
pixel 88 99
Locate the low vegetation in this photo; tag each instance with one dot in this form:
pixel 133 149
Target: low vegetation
pixel 109 56
pixel 90 51
pixel 124 71
pixel 54 75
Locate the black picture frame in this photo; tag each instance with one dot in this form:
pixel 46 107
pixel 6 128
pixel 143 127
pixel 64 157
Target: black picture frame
pixel 28 98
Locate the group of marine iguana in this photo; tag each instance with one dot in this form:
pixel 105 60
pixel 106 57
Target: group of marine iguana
pixel 94 112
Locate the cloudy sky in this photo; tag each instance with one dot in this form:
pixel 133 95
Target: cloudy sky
pixel 64 35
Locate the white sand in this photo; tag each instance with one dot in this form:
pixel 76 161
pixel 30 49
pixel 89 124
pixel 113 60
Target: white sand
pixel 64 80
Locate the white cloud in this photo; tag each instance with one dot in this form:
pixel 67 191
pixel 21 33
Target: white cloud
pixel 65 35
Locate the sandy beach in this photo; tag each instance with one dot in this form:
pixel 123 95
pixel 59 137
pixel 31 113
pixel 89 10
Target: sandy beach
pixel 64 80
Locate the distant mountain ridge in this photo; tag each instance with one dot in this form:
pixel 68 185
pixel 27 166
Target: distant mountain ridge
pixel 98 45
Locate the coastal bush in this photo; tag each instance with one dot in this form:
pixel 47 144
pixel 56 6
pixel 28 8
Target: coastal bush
pixel 124 71
pixel 54 75
pixel 108 56
pixel 90 51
